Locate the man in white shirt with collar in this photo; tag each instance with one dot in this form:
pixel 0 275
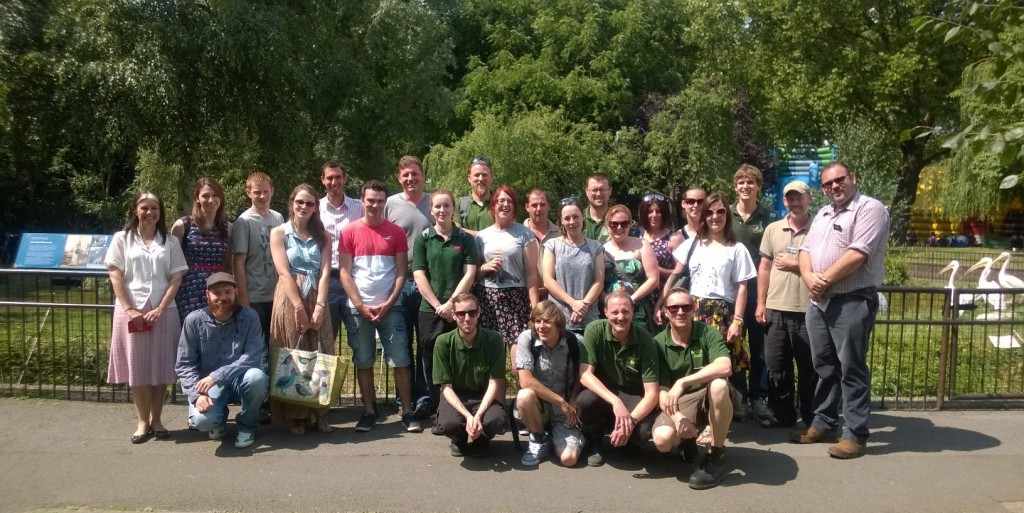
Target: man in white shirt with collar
pixel 336 211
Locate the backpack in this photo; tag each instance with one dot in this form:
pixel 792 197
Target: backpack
pixel 572 363
pixel 464 208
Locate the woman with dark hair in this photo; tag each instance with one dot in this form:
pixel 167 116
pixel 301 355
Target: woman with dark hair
pixel 146 267
pixel 509 285
pixel 660 232
pixel 630 265
pixel 719 270
pixel 205 238
pixel 573 269
pixel 299 318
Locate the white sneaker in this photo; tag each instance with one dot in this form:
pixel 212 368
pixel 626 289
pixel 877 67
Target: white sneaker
pixel 536 451
pixel 217 433
pixel 244 439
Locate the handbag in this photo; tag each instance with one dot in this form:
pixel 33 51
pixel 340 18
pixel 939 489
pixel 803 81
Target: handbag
pixel 684 277
pixel 306 378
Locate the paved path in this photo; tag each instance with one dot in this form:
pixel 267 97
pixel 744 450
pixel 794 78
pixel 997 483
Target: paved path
pixel 58 455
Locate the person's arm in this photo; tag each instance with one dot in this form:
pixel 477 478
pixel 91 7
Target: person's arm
pixel 720 367
pixel 848 263
pixel 322 286
pixel 188 361
pixel 252 350
pixel 178 230
pixel 349 284
pixel 591 381
pixel 240 251
pixel 530 260
pixel 764 271
pixel 284 276
pixel 816 284
pixel 650 263
pixel 596 288
pixel 736 324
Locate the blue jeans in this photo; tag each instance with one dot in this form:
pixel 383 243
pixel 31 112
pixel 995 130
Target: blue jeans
pixel 362 338
pixel 337 302
pixel 409 302
pixel 839 350
pixel 250 389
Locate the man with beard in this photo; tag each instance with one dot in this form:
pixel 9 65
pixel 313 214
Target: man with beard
pixel 219 355
pixel 599 191
pixel 475 209
pixel 619 368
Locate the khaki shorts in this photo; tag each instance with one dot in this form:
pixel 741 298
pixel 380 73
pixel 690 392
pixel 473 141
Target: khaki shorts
pixel 694 406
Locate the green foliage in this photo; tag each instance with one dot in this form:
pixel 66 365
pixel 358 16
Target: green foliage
pixel 896 274
pixel 874 155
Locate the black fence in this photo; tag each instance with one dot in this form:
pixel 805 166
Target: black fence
pixel 55 334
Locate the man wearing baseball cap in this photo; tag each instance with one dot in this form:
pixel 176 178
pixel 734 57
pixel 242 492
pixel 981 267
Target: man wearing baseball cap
pixel 219 355
pixel 782 307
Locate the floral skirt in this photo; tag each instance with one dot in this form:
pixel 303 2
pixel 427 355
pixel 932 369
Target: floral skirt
pixel 718 313
pixel 506 311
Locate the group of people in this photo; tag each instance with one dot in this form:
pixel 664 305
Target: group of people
pixel 636 329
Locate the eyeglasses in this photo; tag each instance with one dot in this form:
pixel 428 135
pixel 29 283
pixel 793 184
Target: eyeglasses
pixel 675 309
pixel 571 200
pixel 839 180
pixel 307 204
pixel 466 313
pixel 717 212
pixel 480 160
pixel 653 196
pixel 693 201
pixel 618 225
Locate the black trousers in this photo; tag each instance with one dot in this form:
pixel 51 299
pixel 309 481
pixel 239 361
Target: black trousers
pixel 786 341
pixel 453 424
pixel 596 416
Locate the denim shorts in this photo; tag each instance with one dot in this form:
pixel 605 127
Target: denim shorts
pixel 362 338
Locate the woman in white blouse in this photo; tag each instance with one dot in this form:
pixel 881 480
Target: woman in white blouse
pixel 146 267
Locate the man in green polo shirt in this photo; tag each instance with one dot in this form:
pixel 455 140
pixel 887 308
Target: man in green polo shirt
pixel 475 209
pixel 694 368
pixel 599 192
pixel 469 366
pixel 619 368
pixel 749 220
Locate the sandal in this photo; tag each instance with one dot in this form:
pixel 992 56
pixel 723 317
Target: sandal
pixel 322 426
pixel 705 438
pixel 298 427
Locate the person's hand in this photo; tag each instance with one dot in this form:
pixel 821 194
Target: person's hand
pixel 818 285
pixel 492 265
pixel 761 314
pixel 445 311
pixel 784 262
pixel 734 332
pixel 152 316
pixel 686 428
pixel 669 400
pixel 659 319
pixel 301 319
pixel 383 310
pixel 135 317
pixel 318 317
pixel 203 404
pixel 571 420
pixel 474 428
pixel 579 307
pixel 204 385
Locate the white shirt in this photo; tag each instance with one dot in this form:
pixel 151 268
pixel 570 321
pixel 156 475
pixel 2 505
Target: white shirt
pixel 715 271
pixel 147 269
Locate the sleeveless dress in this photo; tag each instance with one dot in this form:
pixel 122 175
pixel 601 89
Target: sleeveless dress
pixel 204 253
pixel 628 275
pixel 304 264
pixel 663 254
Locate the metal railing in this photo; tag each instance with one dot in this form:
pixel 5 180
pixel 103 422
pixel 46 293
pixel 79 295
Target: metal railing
pixel 55 336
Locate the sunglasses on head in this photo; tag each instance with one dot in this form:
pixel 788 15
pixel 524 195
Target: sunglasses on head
pixel 571 200
pixel 466 313
pixel 653 196
pixel 675 309
pixel 480 160
pixel 693 201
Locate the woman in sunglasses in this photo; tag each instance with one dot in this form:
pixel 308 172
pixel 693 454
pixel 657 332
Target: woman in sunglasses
pixel 573 269
pixel 510 285
pixel 659 231
pixel 719 269
pixel 302 257
pixel 630 265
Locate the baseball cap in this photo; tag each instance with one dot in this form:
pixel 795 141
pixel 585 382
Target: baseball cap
pixel 798 186
pixel 221 277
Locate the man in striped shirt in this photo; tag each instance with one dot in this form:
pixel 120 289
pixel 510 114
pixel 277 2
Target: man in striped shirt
pixel 842 263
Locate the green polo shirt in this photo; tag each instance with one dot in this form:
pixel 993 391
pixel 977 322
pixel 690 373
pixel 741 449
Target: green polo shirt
pixel 442 260
pixel 468 368
pixel 477 216
pixel 619 367
pixel 749 232
pixel 675 361
pixel 594 229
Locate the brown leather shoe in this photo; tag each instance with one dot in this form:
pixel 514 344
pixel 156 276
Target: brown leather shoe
pixel 813 436
pixel 846 449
